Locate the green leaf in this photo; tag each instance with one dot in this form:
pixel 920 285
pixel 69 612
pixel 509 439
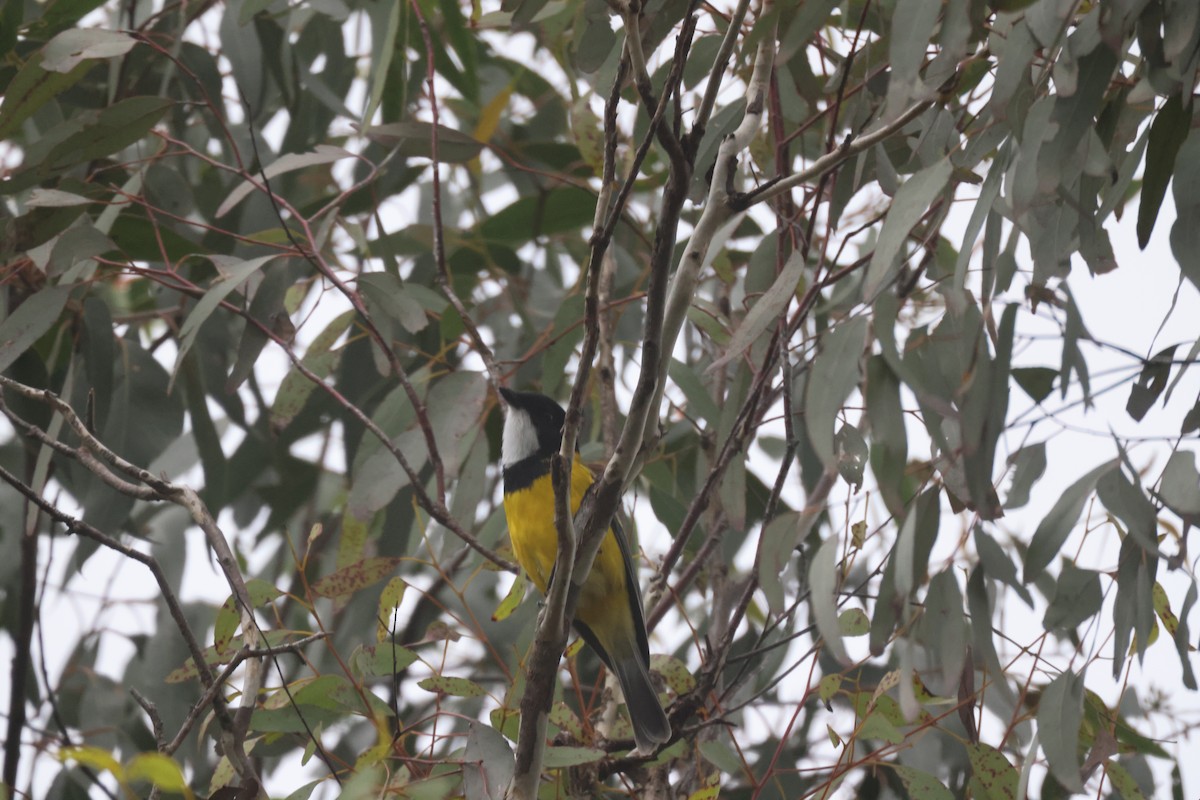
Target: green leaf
pixel 413 139
pixel 233 272
pixel 102 134
pixel 909 37
pixel 229 616
pixel 1054 528
pixel 764 312
pixel 944 627
pixel 889 438
pixel 674 672
pixel 1037 382
pixel 852 453
pixel 386 294
pixel 456 687
pixel 382 660
pixel 68 49
pixel 354 577
pixel 878 726
pixel 996 563
pixel 922 784
pixel 1179 488
pixel 36 315
pixel 835 373
pixel 721 756
pixel 565 210
pixel 320 358
pixel 1059 717
pixel 1122 781
pixel 488 763
pixel 561 757
pixel 700 402
pixel 32 88
pixel 854 622
pixel 1077 598
pixel 288 162
pixel 1185 234
pixel 910 204
pixel 389 600
pixel 995 774
pixel 159 769
pixel 829 686
pixel 455 405
pixel 776 546
pixel 516 593
pixel 1168 132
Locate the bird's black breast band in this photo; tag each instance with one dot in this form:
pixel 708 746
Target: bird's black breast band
pixel 522 474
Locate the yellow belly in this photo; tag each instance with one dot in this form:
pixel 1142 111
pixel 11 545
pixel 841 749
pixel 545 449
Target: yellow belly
pixel 530 513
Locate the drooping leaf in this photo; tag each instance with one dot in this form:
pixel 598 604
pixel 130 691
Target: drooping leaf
pixel 232 274
pixel 24 326
pixel 944 627
pixel 1059 716
pixel 1054 528
pixel 1029 464
pixel 320 358
pixel 488 764
pixel 823 580
pixel 1150 383
pixel 835 372
pixel 1167 134
pixel 910 204
pixel 776 548
pixel 764 312
pixel 1077 598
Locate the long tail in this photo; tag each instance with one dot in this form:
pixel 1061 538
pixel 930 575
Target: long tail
pixel 650 724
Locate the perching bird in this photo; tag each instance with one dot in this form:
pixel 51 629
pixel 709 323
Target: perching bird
pixel 609 615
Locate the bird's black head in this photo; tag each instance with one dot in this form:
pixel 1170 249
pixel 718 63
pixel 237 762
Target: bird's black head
pixel 533 426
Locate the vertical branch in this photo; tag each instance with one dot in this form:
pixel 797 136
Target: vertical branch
pixel 718 211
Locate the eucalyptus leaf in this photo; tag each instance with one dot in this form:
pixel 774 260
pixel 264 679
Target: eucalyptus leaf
pixel 835 372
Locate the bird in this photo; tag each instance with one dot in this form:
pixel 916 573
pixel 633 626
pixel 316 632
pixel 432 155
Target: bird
pixel 609 616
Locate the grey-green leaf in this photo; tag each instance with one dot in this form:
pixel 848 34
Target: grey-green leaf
pixel 764 312
pixel 1077 597
pixel 233 273
pixel 1029 464
pixel 823 580
pixel 835 373
pixel 1060 713
pixel 32 318
pixel 1054 528
pixel 910 204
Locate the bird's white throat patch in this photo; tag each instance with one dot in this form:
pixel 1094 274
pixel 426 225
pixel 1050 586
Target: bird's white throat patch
pixel 520 437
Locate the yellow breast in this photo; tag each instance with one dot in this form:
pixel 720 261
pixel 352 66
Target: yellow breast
pixel 530 513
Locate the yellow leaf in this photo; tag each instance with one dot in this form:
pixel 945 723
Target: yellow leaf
pixel 160 770
pixel 509 604
pixel 95 757
pixel 389 601
pixel 489 120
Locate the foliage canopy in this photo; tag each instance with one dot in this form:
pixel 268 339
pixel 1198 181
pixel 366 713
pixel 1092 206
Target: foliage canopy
pixel 806 267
